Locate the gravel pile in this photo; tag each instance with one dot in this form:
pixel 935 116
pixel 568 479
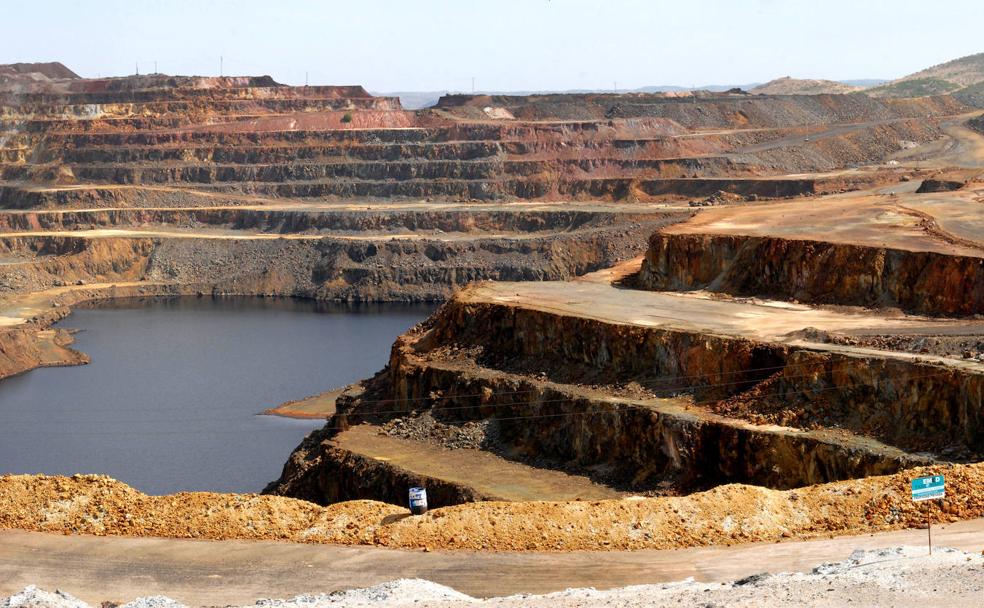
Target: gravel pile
pixel 32 597
pixel 424 427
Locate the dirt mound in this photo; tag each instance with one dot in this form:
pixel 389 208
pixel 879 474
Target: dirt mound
pixel 802 86
pixel 92 504
pixel 51 69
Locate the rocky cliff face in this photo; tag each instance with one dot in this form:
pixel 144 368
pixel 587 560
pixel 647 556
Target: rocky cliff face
pixel 410 269
pixel 645 408
pixel 816 272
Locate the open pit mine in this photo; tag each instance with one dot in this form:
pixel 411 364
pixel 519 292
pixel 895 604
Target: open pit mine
pixel 667 320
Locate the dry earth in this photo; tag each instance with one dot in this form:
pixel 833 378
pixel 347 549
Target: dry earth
pixel 85 504
pixel 881 577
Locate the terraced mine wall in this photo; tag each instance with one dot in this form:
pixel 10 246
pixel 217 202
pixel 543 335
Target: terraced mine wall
pixel 322 268
pixel 238 138
pixel 903 397
pixel 551 385
pixel 816 272
pixel 474 221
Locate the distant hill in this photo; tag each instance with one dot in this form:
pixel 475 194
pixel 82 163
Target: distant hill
pixel 414 100
pixel 802 86
pixel 864 83
pixel 964 75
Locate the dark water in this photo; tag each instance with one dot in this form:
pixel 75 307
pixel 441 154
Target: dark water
pixel 170 399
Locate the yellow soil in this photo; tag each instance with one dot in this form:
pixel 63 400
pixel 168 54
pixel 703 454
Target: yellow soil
pixel 88 504
pixel 907 221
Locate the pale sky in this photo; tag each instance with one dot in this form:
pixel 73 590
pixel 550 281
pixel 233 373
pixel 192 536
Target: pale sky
pixel 390 45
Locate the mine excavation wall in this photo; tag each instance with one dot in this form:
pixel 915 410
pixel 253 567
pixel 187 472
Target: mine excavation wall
pixel 854 147
pixel 95 197
pixel 725 111
pixel 815 272
pixel 485 169
pixel 325 268
pixel 550 188
pixel 898 399
pixel 582 350
pixel 292 222
pixel 532 359
pixel 900 402
pixel 194 108
pixel 909 404
pixel 58 261
pixel 633 445
pixel 134 90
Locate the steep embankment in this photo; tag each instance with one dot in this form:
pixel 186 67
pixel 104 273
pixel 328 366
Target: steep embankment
pixel 25 349
pixel 921 282
pixel 919 252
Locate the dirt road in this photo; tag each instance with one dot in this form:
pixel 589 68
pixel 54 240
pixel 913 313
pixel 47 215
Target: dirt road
pixel 221 572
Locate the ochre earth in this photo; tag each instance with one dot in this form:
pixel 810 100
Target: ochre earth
pixel 86 504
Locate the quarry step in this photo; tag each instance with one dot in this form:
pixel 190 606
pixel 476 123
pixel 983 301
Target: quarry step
pixel 408 221
pixel 646 443
pixel 702 312
pixel 489 476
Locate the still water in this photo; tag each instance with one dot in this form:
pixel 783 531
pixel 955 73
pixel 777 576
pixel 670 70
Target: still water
pixel 170 400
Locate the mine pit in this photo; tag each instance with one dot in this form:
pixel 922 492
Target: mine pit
pixel 657 313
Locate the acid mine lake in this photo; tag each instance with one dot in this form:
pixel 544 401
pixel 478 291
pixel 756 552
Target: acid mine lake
pixel 171 399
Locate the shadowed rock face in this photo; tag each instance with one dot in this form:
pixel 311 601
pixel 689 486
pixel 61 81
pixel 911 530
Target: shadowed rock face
pixel 939 185
pixel 817 272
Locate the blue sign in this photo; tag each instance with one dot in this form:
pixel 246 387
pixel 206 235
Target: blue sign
pixel 928 488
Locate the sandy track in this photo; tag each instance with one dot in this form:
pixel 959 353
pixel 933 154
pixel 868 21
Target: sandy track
pixel 221 572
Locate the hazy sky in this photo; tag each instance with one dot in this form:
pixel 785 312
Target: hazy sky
pixel 391 45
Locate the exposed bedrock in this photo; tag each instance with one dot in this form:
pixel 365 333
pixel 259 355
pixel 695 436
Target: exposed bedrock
pixel 817 272
pixel 475 220
pixel 419 269
pixel 896 399
pixel 37 263
pixel 559 390
pixel 24 349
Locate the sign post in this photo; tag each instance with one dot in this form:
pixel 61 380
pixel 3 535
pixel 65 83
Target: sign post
pixel 929 488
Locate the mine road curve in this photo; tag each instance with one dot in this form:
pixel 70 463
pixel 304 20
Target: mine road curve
pixel 964 148
pixel 220 572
